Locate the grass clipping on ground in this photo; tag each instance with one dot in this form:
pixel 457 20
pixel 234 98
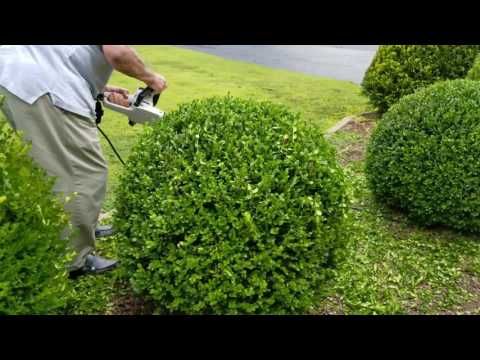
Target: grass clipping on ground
pixel 393 267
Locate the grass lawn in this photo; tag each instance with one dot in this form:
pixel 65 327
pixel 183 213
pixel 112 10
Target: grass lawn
pixel 192 75
pixel 391 267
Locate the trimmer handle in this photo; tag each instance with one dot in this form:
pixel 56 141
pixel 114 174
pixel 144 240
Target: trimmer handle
pixel 148 91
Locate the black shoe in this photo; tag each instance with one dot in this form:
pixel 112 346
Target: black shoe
pixel 104 231
pixel 94 265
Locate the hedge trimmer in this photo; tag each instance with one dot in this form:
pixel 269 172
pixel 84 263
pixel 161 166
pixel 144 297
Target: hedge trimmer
pixel 142 109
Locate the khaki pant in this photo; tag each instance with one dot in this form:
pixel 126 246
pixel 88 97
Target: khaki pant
pixel 67 147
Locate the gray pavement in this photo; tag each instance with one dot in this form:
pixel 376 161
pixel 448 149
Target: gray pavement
pixel 341 62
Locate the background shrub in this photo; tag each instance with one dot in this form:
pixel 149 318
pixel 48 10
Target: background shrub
pixel 399 70
pixel 32 256
pixel 231 206
pixel 474 73
pixel 424 156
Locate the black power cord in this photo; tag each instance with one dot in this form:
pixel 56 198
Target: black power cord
pixel 111 145
pixel 99 112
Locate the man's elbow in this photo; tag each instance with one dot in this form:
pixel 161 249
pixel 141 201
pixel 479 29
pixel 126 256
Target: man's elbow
pixel 116 54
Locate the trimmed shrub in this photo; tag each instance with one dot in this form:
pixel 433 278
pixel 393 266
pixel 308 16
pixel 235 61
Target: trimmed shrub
pixel 32 256
pixel 424 155
pixel 230 206
pixel 474 73
pixel 399 70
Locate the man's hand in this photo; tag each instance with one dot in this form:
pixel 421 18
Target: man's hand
pixel 118 99
pixel 116 95
pixel 116 90
pixel 157 83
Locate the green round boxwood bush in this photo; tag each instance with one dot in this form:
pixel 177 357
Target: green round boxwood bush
pixel 399 70
pixel 32 256
pixel 474 73
pixel 424 155
pixel 230 206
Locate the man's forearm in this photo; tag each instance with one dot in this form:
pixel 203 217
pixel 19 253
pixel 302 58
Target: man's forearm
pixel 125 60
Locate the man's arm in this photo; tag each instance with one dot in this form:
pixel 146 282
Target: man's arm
pixel 125 60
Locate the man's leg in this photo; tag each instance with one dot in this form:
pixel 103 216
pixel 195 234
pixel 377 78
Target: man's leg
pixel 68 148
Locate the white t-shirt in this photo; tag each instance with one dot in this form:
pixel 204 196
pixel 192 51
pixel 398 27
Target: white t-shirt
pixel 73 75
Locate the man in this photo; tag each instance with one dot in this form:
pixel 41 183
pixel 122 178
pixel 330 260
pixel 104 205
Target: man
pixel 50 93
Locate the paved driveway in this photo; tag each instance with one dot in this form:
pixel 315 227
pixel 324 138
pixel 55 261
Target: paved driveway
pixel 342 62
